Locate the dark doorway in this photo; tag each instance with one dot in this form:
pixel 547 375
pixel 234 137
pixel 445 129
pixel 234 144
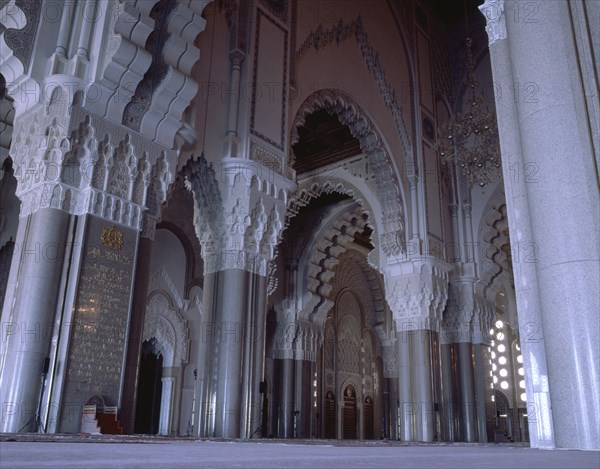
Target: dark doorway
pixel 329 421
pixel 349 414
pixel 149 391
pixel 368 418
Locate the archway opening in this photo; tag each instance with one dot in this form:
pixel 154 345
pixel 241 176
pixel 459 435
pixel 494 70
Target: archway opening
pixel 147 414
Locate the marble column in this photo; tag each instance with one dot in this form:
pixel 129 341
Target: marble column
pixel 231 294
pixel 553 205
pixel 468 420
pixel 407 412
pixel 286 410
pixel 254 352
pixel 482 389
pixel 166 401
pixel 449 412
pixel 423 396
pixel 417 383
pixel 29 313
pixel 203 420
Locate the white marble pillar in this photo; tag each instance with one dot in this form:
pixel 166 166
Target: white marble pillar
pixel 166 401
pixel 468 414
pixel 286 410
pixel 28 315
pixel 423 395
pixel 406 412
pixel 231 303
pixel 449 412
pixel 553 205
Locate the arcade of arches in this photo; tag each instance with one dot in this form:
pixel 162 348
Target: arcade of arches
pixel 232 219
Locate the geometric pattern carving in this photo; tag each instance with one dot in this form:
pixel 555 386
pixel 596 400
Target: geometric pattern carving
pixel 20 41
pixel 348 350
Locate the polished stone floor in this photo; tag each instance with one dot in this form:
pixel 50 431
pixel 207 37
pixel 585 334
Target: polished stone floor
pixel 148 453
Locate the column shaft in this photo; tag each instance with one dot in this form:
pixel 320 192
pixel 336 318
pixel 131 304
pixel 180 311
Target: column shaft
pixel 448 412
pixel 231 306
pixel 405 400
pixel 286 411
pixel 556 140
pixel 468 421
pixel 421 344
pixel 30 315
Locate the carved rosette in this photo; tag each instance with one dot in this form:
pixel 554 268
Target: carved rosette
pixel 84 164
pixel 493 10
pixel 238 215
pixel 418 297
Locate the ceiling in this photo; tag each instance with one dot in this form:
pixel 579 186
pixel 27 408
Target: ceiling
pixel 323 140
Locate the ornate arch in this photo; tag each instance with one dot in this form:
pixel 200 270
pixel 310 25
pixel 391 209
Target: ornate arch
pixel 380 174
pixel 331 239
pixel 164 323
pixel 354 382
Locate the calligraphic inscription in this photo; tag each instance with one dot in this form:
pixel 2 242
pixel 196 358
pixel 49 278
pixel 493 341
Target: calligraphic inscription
pixel 100 320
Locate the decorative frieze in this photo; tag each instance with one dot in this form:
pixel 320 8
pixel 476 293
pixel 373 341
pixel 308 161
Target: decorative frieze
pixel 146 81
pixel 20 40
pixel 270 159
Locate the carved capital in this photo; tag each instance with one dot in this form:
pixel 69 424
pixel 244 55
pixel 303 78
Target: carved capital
pixel 238 216
pixel 457 324
pixel 81 163
pixel 417 293
pixel 493 10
